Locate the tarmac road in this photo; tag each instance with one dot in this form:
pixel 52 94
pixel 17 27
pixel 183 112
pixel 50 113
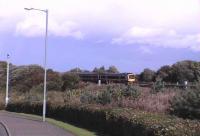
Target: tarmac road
pixel 24 126
pixel 3 130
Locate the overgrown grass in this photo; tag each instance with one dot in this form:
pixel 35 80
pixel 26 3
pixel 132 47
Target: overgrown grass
pixel 140 98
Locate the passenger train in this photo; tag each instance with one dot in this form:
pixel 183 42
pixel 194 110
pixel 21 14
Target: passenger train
pixel 107 78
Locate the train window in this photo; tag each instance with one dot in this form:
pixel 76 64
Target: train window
pixel 131 77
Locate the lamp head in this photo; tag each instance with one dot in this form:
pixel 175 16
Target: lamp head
pixel 28 8
pixel 8 56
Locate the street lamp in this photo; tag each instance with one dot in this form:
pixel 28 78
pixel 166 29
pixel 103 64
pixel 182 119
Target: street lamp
pixel 45 60
pixel 7 80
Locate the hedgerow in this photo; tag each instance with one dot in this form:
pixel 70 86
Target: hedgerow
pixel 115 121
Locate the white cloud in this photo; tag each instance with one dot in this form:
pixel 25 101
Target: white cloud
pixel 35 26
pixel 77 17
pixel 159 37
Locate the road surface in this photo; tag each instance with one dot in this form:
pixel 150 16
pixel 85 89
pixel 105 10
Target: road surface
pixel 24 126
pixel 3 130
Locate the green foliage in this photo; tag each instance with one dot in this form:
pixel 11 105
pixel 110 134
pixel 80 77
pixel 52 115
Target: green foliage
pixel 37 89
pixel 158 86
pixel 180 71
pixel 187 104
pixel 112 69
pixel 110 94
pixel 3 66
pixel 99 70
pixel 105 97
pixel 23 78
pixel 147 75
pixel 164 73
pixel 75 70
pixel 88 97
pixel 115 121
pixel 70 81
pixel 131 91
pixel 116 91
pixel 54 81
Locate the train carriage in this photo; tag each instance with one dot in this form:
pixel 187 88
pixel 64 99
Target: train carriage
pixel 108 77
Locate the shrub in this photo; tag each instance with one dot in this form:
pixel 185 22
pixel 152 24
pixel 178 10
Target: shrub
pixel 37 89
pixel 130 91
pixel 158 86
pixel 87 97
pixel 187 104
pixel 70 81
pixel 105 97
pixel 33 97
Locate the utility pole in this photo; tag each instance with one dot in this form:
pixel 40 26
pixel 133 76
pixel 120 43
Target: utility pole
pixel 7 81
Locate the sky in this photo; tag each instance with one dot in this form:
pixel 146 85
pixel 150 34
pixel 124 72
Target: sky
pixel 130 34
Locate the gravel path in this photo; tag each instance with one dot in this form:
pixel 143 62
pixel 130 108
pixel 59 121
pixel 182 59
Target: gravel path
pixel 24 126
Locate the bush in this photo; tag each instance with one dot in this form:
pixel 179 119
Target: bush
pixel 70 81
pixel 37 89
pixel 158 86
pixel 105 97
pixel 87 97
pixel 187 104
pixel 130 91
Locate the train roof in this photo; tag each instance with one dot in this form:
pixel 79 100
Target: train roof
pixel 93 73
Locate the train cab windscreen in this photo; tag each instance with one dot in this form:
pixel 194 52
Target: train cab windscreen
pixel 131 77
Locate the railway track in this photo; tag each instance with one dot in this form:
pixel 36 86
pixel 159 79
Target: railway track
pixel 167 85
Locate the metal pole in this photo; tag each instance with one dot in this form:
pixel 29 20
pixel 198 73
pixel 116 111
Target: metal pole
pixel 7 82
pixel 45 68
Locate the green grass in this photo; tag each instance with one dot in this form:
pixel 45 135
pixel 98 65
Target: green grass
pixel 68 127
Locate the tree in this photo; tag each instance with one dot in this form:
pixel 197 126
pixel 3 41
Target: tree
pixel 70 81
pixel 186 70
pixel 95 70
pixel 164 73
pixel 112 69
pixel 102 69
pixel 99 70
pixel 147 75
pixel 180 71
pixel 23 78
pixel 54 80
pixel 75 70
pixel 3 66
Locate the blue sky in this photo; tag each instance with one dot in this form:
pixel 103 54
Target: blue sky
pixel 130 34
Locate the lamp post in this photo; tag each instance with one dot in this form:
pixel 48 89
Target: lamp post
pixel 45 60
pixel 7 80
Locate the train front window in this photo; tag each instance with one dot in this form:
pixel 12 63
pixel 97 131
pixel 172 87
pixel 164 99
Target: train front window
pixel 131 77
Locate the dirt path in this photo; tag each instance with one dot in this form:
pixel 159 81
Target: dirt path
pixel 23 126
